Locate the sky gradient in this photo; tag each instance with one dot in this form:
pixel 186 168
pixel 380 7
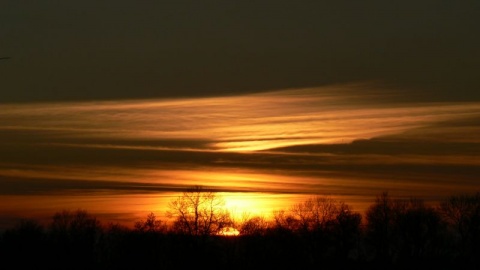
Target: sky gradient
pixel 117 106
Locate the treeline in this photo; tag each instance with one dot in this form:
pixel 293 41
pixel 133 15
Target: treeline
pixel 319 233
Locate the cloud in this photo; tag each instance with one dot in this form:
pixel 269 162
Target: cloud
pixel 351 141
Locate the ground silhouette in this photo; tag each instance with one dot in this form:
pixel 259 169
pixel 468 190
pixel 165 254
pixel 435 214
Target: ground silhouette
pixel 320 233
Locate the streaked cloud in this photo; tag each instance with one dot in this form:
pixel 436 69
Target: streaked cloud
pixel 350 141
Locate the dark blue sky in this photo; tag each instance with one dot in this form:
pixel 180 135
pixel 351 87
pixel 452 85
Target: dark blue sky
pixel 90 50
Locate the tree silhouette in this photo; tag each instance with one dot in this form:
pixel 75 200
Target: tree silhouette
pixel 418 231
pixel 315 213
pixel 199 212
pixel 256 225
pixel 462 213
pixel 346 231
pixel 404 231
pixel 74 236
pixel 151 224
pixel 318 233
pixel 329 230
pixel 380 225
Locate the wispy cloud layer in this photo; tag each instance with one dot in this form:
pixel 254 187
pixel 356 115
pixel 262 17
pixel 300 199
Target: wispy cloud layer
pixel 346 140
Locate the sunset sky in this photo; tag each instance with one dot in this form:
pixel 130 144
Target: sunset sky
pixel 117 107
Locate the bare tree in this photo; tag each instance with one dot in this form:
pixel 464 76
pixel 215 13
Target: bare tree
pixel 151 224
pixel 286 221
pixel 462 213
pixel 403 229
pixel 199 212
pixel 76 236
pixel 79 222
pixel 380 225
pixel 315 213
pixel 256 225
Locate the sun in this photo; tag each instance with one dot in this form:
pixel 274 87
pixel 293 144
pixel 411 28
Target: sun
pixel 228 231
